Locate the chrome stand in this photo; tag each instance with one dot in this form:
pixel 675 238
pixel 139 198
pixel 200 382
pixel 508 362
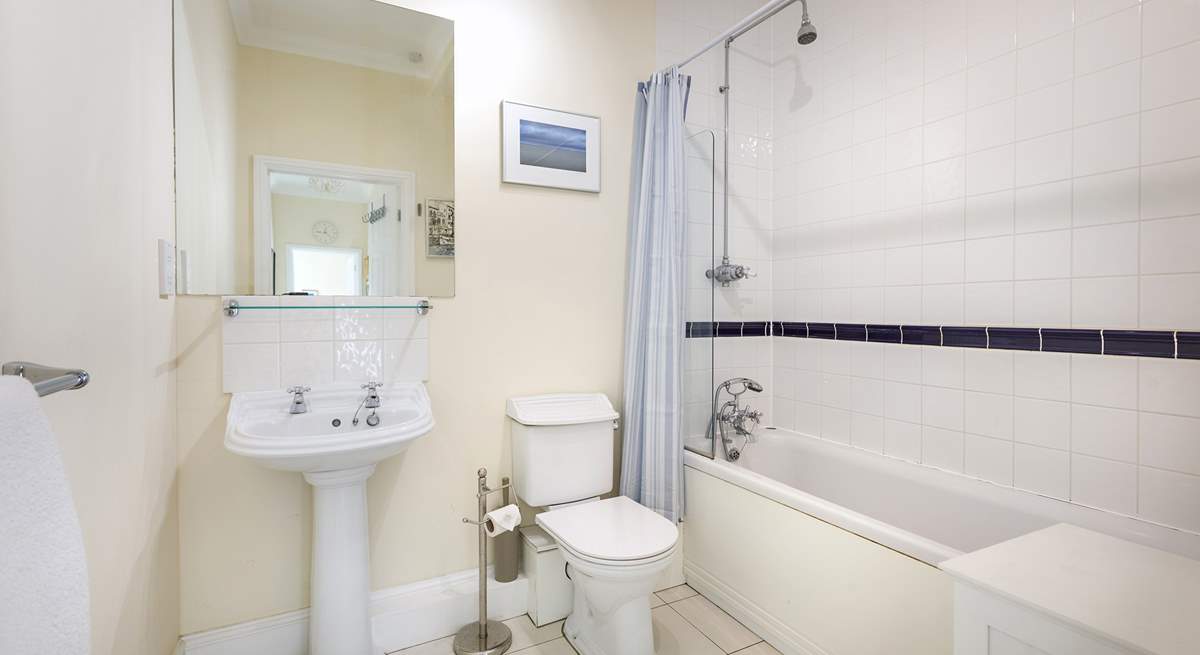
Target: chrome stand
pixel 483 637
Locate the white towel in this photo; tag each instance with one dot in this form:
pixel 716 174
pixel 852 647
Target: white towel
pixel 43 573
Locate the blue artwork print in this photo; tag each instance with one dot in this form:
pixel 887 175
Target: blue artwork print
pixel 553 146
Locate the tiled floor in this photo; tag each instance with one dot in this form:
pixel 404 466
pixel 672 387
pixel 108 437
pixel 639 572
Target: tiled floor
pixel 685 623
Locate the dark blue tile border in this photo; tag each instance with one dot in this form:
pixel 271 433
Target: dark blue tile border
pixel 921 335
pixel 1071 341
pixel 965 337
pixel 1140 343
pixel 1014 338
pixel 1134 343
pixel 1188 345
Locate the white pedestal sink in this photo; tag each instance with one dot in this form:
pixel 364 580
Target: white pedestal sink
pixel 336 457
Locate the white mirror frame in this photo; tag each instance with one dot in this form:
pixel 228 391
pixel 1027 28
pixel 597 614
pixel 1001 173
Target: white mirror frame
pixel 264 165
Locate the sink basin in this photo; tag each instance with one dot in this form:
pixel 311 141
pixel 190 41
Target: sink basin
pixel 325 438
pixel 336 456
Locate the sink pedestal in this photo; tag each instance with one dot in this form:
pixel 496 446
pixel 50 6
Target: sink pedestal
pixel 340 618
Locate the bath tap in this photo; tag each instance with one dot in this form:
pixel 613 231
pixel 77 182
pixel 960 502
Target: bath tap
pixel 742 419
pixel 299 404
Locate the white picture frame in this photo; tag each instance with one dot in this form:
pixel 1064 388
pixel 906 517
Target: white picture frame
pixel 550 148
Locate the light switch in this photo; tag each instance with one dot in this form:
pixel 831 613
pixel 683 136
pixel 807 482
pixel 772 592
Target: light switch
pixel 166 268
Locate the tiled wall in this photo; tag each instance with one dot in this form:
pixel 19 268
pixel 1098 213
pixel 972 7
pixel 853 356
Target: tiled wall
pixel 967 162
pixel 267 349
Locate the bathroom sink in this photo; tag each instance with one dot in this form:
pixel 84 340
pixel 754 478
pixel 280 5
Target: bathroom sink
pixel 326 438
pixel 336 456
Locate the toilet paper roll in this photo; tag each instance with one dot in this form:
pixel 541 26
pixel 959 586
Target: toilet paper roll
pixel 501 520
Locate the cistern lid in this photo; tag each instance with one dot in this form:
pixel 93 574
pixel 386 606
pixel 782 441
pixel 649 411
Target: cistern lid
pixel 561 409
pixel 615 529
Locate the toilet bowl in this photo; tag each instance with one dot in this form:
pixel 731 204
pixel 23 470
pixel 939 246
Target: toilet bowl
pixel 615 551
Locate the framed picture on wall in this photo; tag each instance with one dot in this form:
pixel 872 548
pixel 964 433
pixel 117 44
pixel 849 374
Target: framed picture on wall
pixel 545 147
pixel 439 228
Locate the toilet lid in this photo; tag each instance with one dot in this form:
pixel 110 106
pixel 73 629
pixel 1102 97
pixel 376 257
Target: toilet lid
pixel 616 529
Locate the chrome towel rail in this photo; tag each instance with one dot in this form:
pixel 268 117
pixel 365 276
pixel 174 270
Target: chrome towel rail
pixel 233 308
pixel 47 379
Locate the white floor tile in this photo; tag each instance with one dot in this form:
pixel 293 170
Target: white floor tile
pixel 557 647
pixel 722 629
pixel 444 646
pixel 673 635
pixel 526 634
pixel 656 601
pixel 761 648
pixel 676 593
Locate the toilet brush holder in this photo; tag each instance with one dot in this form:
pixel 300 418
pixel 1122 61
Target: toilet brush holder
pixel 483 637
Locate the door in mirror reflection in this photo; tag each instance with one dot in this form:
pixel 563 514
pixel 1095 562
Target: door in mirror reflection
pixel 306 132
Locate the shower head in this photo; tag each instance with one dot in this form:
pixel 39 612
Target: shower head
pixel 754 386
pixel 807 33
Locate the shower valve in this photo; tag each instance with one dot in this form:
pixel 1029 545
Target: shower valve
pixel 727 273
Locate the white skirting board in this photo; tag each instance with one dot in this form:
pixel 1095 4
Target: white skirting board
pixel 775 632
pixel 400 617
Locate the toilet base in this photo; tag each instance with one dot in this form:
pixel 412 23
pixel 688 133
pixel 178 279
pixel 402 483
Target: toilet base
pixel 624 630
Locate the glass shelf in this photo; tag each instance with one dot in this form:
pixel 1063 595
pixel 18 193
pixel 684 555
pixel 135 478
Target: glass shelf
pixel 233 307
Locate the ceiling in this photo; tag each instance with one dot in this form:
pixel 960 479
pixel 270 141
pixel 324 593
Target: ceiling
pixel 366 33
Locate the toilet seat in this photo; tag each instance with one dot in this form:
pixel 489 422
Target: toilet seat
pixel 616 532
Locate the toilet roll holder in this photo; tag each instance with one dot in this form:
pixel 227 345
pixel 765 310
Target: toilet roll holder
pixel 483 637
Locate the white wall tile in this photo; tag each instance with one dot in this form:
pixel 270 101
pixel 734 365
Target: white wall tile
pixel 942 448
pixel 1169 245
pixel 989 414
pixel 902 363
pixel 942 304
pixel 902 440
pixel 1108 93
pixel 1107 42
pixel 1169 497
pixel 1042 255
pixel 1039 19
pixel 945 97
pixel 945 138
pixel 989 459
pixel 1044 303
pixel 357 361
pixel 942 367
pixel 1170 133
pixel 989 215
pixel 1104 484
pixel 942 263
pixel 1107 146
pixel 867 432
pixel 1104 302
pixel 1171 76
pixel 988 303
pixel 1044 111
pixel 1170 302
pixel 1107 198
pixel 1045 63
pixel 1169 23
pixel 1043 207
pixel 1105 380
pixel 989 260
pixel 405 360
pixel 1169 386
pixel 1042 375
pixel 992 80
pixel 1170 189
pixel 1042 470
pixel 1044 159
pixel 306 363
pixel 250 367
pixel 1105 432
pixel 1045 423
pixel 988 370
pixel 1169 442
pixel 1105 250
pixel 942 408
pixel 989 171
pixel 990 126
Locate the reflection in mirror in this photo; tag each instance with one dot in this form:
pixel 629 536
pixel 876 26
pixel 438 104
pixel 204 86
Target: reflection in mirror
pixel 314 145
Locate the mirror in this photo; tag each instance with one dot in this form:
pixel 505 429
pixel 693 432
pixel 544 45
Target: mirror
pixel 314 148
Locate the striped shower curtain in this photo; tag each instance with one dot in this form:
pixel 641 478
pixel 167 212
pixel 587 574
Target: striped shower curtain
pixel 652 460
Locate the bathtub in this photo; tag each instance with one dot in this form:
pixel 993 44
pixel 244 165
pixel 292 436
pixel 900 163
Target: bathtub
pixel 826 549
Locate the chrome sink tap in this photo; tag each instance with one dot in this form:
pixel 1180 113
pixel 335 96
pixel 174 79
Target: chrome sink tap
pixel 299 404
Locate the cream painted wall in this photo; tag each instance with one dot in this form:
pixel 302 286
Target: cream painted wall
pixel 85 189
pixel 293 221
pixel 539 307
pixel 303 108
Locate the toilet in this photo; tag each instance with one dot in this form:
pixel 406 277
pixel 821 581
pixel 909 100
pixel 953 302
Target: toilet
pixel 615 549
